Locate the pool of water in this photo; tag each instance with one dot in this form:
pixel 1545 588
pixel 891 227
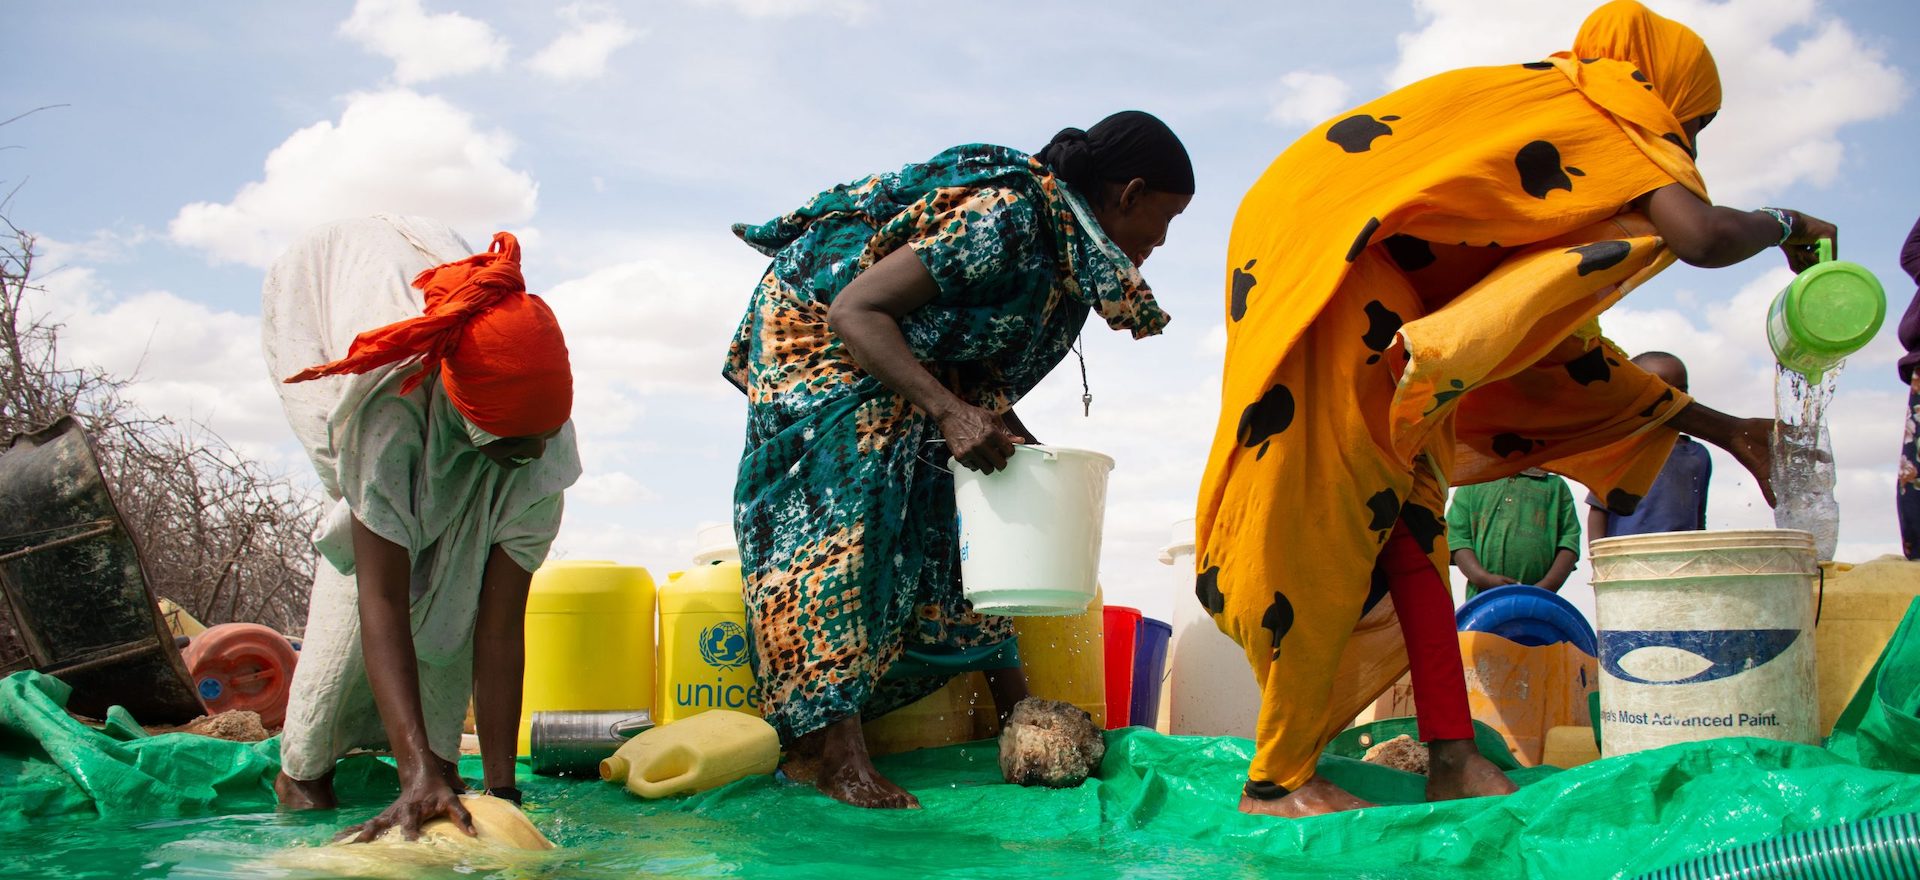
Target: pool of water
pixel 598 839
pixel 973 825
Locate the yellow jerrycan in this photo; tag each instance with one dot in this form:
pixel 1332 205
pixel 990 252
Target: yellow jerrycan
pixel 589 640
pixel 1860 607
pixel 1065 658
pixel 706 751
pixel 703 660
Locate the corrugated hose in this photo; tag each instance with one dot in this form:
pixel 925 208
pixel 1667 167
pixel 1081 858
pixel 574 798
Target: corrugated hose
pixel 1881 848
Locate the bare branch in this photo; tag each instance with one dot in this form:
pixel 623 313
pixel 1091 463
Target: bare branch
pixel 220 534
pixel 21 116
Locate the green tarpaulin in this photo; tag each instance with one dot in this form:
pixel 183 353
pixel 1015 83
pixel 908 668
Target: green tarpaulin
pixel 79 802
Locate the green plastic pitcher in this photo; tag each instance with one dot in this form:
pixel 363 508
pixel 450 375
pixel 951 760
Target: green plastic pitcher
pixel 1828 312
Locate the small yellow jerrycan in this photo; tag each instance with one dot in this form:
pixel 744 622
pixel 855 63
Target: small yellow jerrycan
pixel 703 661
pixel 702 752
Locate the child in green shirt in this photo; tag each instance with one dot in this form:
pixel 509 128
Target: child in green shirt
pixel 1520 530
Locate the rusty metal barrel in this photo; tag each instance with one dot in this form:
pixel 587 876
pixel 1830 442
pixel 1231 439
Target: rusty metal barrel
pixel 72 575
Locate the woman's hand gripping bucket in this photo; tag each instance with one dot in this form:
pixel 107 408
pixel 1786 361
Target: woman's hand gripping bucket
pixel 1030 534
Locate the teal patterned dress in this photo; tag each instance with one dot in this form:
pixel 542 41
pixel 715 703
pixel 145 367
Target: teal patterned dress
pixel 843 508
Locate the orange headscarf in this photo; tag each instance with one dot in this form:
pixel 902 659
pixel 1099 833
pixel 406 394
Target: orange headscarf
pixel 1675 60
pixel 498 348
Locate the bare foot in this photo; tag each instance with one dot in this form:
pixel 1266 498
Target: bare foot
pixel 1317 798
pixel 802 763
pixel 847 773
pixel 295 794
pixel 1455 769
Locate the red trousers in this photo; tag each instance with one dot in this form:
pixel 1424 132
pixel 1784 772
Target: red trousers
pixel 1424 603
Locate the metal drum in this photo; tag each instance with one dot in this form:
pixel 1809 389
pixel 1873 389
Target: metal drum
pixel 72 575
pixel 574 743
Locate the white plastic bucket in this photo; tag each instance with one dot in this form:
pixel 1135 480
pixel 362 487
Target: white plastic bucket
pixel 1030 534
pixel 1706 635
pixel 714 543
pixel 1214 693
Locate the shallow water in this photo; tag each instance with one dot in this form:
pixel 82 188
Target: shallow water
pixel 761 828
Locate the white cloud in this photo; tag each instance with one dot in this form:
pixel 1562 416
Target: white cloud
pixel 594 32
pixel 391 151
pixel 1793 75
pixel 611 489
pixel 851 11
pixel 1308 98
pixel 423 45
pixel 662 550
pixel 657 323
pixel 189 362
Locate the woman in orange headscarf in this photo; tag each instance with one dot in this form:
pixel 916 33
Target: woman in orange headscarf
pixel 1412 293
pixel 436 416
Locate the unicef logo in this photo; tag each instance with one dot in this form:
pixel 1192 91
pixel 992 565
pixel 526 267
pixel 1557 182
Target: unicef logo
pixel 724 645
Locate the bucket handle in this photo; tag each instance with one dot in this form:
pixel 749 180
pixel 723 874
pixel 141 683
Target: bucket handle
pixel 1017 449
pixel 1820 599
pixel 1824 250
pixel 938 441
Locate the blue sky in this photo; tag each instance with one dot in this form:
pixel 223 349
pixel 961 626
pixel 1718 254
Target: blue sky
pixel 199 137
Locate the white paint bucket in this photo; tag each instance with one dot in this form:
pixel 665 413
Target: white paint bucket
pixel 1706 635
pixel 1030 534
pixel 1214 693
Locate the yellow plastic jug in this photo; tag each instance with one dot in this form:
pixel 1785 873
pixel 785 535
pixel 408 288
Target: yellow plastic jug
pixel 589 640
pixel 1860 608
pixel 1523 692
pixel 1569 746
pixel 703 644
pixel 946 716
pixel 702 752
pixel 1065 658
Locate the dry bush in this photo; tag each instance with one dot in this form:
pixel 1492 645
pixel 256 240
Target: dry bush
pixel 220 535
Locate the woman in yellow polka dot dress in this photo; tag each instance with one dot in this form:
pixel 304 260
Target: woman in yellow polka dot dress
pixel 1412 293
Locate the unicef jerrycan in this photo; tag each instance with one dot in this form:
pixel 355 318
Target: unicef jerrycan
pixel 1827 312
pixel 703 638
pixel 702 752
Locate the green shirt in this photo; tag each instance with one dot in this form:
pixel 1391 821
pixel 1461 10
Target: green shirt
pixel 1514 526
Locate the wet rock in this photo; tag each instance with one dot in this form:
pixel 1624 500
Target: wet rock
pixel 1050 743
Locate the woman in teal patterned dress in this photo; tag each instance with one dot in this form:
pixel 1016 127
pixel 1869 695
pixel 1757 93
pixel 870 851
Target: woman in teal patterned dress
pixel 902 317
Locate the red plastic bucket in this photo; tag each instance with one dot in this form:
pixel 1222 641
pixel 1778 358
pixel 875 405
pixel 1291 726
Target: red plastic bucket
pixel 242 666
pixel 1122 633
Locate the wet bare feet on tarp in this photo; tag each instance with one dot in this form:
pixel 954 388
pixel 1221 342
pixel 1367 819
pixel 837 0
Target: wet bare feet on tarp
pixel 847 773
pixel 1318 797
pixel 1455 769
pixel 295 794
